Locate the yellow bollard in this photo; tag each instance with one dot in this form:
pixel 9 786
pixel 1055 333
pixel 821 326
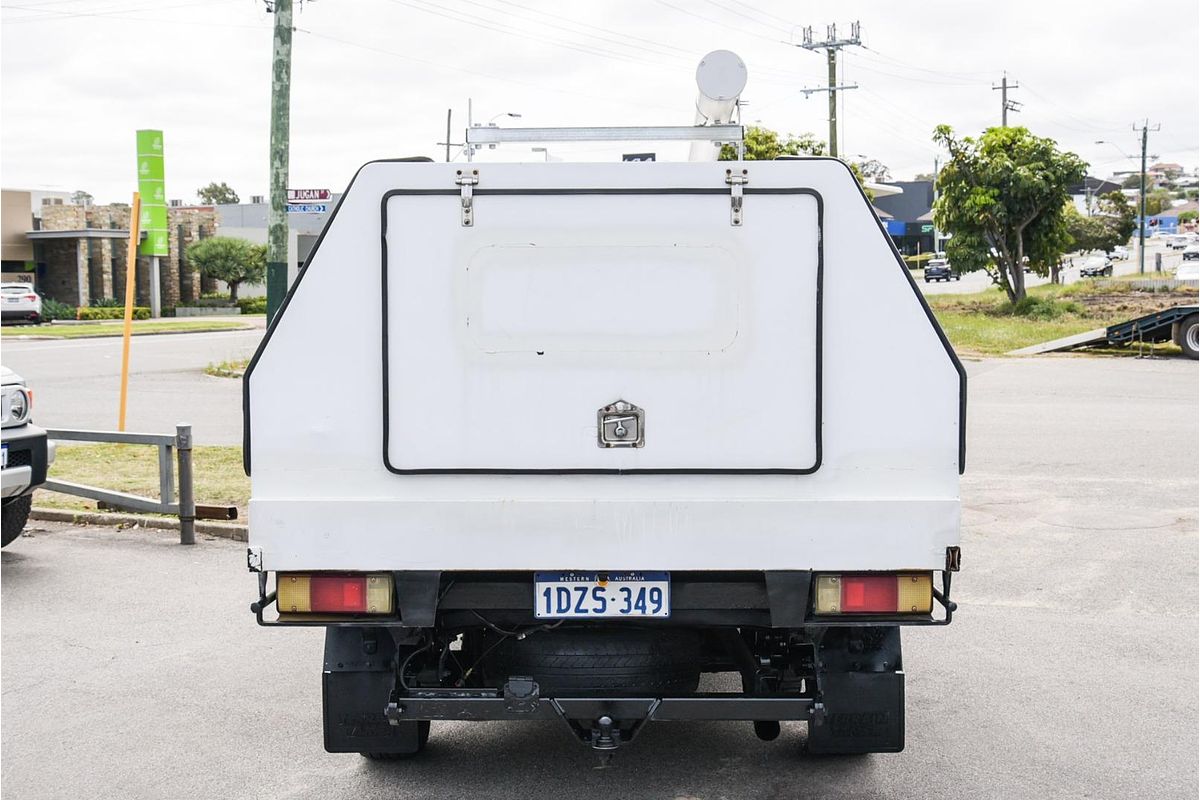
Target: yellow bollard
pixel 135 215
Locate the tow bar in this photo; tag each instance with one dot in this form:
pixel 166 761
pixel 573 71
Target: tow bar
pixel 602 723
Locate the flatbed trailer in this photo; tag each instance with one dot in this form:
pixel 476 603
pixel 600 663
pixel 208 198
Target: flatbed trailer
pixel 1178 325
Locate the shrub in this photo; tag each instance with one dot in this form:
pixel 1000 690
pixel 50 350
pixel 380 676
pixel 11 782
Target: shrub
pixel 111 312
pixel 1043 308
pixel 106 302
pixel 52 310
pixel 253 305
pixel 208 301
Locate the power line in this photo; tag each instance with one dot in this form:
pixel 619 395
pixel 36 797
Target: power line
pixel 723 25
pixel 486 75
pixel 790 23
pixel 743 15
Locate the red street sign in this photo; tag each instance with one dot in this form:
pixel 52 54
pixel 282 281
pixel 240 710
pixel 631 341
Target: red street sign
pixel 307 195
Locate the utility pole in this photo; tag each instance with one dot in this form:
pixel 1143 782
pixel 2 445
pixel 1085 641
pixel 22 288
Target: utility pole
pixel 1142 198
pixel 281 89
pixel 1006 105
pixel 831 46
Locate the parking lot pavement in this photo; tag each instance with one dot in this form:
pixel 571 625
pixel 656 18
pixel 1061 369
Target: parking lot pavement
pixel 132 668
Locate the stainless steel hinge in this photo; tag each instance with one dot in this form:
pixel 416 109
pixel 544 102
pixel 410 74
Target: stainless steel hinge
pixel 736 182
pixel 466 181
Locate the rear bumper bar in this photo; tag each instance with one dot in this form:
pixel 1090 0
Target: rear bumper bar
pixel 480 706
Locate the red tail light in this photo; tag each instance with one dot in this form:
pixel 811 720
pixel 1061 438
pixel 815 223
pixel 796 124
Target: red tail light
pixel 869 593
pixel 339 594
pixel 31 297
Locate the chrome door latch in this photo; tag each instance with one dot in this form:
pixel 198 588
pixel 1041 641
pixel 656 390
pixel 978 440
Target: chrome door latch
pixel 620 424
pixel 736 182
pixel 468 196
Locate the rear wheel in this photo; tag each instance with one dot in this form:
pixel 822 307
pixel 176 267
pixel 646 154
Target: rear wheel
pixel 1189 336
pixel 16 514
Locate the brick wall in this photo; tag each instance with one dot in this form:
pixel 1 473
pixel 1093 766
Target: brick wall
pixel 104 259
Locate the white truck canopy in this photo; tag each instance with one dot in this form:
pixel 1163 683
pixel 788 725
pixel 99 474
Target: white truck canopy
pixel 651 365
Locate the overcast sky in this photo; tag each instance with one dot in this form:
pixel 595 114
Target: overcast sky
pixel 374 78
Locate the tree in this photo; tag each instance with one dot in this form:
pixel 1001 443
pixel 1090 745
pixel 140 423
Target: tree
pixel 1092 233
pixel 1187 216
pixel 764 144
pixel 217 194
pixel 924 176
pixel 1133 181
pixel 873 169
pixel 1157 202
pixel 1118 213
pixel 1002 197
pixel 234 261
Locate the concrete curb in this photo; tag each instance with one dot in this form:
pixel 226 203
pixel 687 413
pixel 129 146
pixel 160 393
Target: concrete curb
pixel 238 533
pixel 35 338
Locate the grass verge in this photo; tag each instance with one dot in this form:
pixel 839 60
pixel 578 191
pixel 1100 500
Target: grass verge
pixel 228 369
pixel 116 328
pixel 984 323
pixel 217 474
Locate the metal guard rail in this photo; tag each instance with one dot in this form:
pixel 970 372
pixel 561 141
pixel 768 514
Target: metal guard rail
pixel 180 443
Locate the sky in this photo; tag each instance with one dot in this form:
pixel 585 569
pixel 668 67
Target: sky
pixel 374 79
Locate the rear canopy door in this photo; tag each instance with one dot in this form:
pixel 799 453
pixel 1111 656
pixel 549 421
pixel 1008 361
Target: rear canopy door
pixel 505 341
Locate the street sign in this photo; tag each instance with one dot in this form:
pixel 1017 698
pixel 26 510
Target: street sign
pixel 638 157
pixel 308 195
pixel 307 208
pixel 151 187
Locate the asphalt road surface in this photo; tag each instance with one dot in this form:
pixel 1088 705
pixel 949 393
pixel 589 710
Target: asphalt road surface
pixel 133 669
pixel 978 281
pixel 77 384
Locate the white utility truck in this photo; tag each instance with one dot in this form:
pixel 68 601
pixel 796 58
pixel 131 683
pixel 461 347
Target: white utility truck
pixel 597 429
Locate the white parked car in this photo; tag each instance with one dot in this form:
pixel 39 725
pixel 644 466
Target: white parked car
pixel 1120 253
pixel 20 302
pixel 1189 270
pixel 25 454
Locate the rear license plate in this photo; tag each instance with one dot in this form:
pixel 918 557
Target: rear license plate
pixel 574 595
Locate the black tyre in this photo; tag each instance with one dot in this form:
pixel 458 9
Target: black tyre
pixel 16 514
pixel 1189 342
pixel 577 661
pixel 422 739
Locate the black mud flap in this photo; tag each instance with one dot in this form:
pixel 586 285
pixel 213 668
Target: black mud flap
pixel 864 714
pixel 355 687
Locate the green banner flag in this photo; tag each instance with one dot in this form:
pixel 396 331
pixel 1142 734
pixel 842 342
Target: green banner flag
pixel 151 187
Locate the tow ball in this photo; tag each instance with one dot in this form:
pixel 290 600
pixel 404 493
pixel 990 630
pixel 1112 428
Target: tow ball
pixel 605 739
